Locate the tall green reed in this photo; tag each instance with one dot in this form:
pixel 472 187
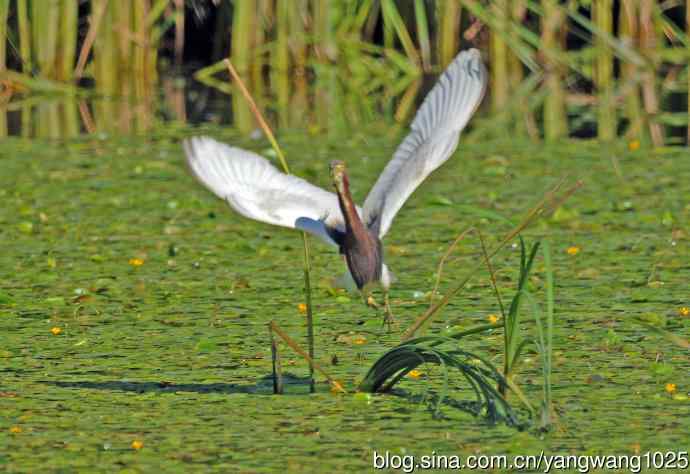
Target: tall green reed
pixel 305 241
pixel 491 386
pixel 550 43
pixel 4 11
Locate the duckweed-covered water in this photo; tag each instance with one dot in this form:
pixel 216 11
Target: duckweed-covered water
pixel 133 307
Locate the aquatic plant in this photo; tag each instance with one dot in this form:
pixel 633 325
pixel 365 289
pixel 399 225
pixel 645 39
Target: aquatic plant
pixel 480 374
pixel 305 241
pixel 489 385
pixel 395 364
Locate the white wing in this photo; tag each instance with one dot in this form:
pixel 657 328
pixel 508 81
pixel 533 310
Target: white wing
pixel 256 189
pixel 435 132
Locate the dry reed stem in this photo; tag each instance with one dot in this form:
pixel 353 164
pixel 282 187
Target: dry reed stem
pixel 275 363
pixel 86 117
pixel 550 202
pixel 259 116
pixel 305 242
pixel 88 41
pixel 442 262
pixel 296 347
pixel 492 274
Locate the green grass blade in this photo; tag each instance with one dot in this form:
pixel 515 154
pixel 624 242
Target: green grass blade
pixel 423 33
pixel 392 16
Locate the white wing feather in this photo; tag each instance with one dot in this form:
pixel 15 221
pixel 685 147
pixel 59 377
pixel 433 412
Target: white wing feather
pixel 435 132
pixel 256 189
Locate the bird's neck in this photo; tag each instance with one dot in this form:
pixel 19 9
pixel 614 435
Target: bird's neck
pixel 353 223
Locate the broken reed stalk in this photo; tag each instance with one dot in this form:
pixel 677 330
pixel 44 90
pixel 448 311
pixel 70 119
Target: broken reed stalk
pixel 275 364
pixel 296 347
pixel 549 202
pixel 492 274
pixel 258 115
pixel 94 23
pixel 305 242
pixel 442 262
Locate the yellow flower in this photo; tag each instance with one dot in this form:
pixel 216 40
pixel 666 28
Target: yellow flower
pixel 573 250
pixel 336 387
pixel 493 319
pixel 16 429
pixel 136 444
pixel 634 145
pixel 415 374
pixel 684 311
pixel 56 330
pixel 359 340
pixel 671 388
pixel 302 308
pixel 136 262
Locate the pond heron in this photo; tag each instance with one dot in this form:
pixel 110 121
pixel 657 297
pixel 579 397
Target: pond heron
pixel 256 189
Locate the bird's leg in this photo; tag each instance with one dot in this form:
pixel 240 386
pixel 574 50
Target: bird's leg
pixel 388 318
pixel 371 302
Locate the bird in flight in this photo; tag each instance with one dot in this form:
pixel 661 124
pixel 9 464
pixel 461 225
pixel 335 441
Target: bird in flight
pixel 256 189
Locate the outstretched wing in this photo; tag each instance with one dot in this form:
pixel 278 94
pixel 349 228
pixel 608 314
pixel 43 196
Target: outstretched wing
pixel 256 189
pixel 435 132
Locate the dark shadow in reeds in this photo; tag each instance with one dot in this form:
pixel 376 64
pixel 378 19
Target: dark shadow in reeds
pixel 585 75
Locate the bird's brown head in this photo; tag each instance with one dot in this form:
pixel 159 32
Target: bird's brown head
pixel 338 174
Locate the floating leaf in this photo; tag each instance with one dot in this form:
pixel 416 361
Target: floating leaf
pixel 25 227
pixel 205 345
pixel 5 298
pixel 363 397
pixel 54 300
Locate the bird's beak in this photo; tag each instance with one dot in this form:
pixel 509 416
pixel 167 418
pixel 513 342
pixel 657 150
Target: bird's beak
pixel 337 173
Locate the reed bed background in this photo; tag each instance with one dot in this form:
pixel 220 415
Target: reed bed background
pixel 579 68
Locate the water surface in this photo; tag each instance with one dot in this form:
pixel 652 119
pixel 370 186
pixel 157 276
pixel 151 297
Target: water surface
pixel 162 296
